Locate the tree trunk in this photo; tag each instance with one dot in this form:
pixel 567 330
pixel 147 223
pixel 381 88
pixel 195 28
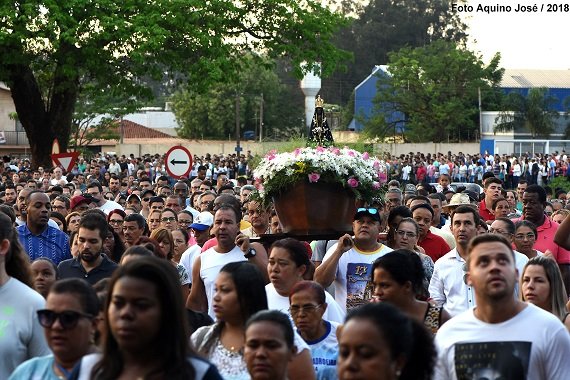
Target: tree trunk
pixel 43 124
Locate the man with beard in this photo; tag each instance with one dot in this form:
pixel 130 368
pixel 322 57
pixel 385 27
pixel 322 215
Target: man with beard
pixel 38 238
pixel 91 264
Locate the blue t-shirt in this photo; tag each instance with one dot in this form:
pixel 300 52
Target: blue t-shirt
pixel 35 369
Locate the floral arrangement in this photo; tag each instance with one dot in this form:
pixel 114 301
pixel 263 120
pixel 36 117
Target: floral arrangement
pixel 358 172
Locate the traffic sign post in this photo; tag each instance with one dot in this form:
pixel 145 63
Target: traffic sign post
pixel 65 160
pixel 178 162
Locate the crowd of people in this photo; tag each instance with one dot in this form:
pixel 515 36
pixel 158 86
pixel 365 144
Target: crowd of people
pixel 117 271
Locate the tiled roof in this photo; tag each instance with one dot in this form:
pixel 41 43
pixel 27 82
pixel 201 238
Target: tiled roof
pixel 133 130
pixel 514 78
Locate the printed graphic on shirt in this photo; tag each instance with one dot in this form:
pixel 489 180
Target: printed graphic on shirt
pixel 492 360
pixel 358 284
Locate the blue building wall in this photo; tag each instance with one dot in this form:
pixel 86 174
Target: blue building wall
pixel 364 95
pixel 559 93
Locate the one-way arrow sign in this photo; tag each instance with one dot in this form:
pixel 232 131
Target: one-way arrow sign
pixel 178 162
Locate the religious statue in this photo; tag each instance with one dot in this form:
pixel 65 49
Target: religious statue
pixel 320 133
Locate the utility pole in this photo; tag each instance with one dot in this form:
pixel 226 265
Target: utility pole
pixel 261 118
pixel 238 148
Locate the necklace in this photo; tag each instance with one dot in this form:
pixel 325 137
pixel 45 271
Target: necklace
pixel 65 374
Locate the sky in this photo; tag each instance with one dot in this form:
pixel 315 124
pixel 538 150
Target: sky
pixel 525 40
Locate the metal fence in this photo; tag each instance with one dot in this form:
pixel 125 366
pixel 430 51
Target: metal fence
pixel 13 138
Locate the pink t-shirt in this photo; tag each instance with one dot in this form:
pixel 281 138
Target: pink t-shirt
pixel 545 241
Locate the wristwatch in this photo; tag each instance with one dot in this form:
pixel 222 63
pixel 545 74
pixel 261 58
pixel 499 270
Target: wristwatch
pixel 251 253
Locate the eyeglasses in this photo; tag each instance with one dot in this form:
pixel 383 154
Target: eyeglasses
pixel 146 199
pixel 500 232
pixel 67 319
pixel 116 221
pixel 408 234
pixel 370 210
pixel 294 310
pixel 528 236
pixel 168 219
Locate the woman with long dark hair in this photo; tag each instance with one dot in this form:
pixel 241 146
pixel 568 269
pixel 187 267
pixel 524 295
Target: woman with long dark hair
pixel 146 332
pixel 240 293
pixel 379 342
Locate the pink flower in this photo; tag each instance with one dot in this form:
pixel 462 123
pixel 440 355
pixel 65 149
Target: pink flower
pixel 320 149
pixel 297 152
pixel 336 151
pixel 314 177
pixel 376 165
pixel 375 185
pixel 365 156
pixel 353 182
pixel 271 154
pixel 351 153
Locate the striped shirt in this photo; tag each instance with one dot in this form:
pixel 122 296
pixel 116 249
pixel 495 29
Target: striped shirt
pixel 51 243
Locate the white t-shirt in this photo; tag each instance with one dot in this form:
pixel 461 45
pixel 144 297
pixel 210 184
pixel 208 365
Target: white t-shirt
pixel 211 263
pixel 275 301
pixel 353 279
pixel 325 352
pixel 110 206
pixel 188 257
pixel 21 336
pixel 534 341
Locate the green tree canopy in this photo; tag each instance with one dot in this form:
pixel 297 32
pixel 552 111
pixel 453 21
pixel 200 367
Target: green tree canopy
pixel 434 89
pixel 383 26
pixel 51 49
pixel 534 113
pixel 211 113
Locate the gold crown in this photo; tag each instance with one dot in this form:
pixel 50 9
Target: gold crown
pixel 320 102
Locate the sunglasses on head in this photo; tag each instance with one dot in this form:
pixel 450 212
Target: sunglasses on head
pixel 68 319
pixel 370 210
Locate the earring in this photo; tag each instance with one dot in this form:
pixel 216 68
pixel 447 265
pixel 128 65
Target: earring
pixel 398 373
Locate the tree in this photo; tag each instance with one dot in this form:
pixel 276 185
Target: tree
pixel 211 114
pixel 51 49
pixel 88 124
pixel 534 113
pixel 434 90
pixel 383 26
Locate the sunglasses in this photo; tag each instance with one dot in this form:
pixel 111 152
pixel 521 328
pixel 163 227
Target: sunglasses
pixel 168 219
pixel 68 319
pixel 372 211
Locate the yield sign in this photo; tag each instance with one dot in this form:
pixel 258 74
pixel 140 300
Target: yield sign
pixel 65 160
pixel 178 162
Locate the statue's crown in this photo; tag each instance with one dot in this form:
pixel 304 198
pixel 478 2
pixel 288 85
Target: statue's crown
pixel 320 102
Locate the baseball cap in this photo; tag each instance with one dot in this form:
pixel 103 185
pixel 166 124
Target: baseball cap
pixel 147 191
pixel 203 221
pixel 371 212
pixel 79 199
pixel 410 189
pixel 133 195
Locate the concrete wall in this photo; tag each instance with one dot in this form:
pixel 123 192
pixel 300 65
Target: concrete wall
pixel 6 108
pixel 200 148
pixel 398 149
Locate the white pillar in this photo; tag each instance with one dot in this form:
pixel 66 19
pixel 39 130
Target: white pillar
pixel 310 85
